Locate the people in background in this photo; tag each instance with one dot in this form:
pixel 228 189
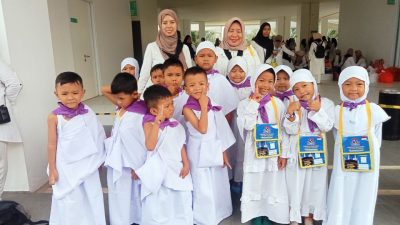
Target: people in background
pixel 262 42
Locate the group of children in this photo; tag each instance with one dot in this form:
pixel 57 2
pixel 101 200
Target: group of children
pixel 174 149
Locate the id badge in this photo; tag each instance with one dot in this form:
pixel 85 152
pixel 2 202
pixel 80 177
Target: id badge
pixel 266 140
pixel 311 151
pixel 356 155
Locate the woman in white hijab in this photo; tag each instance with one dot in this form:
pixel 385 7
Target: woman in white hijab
pixel 352 194
pixel 309 118
pixel 131 66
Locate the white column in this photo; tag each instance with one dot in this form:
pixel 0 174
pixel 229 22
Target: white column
pixel 307 19
pixel 185 27
pixel 30 51
pixel 202 29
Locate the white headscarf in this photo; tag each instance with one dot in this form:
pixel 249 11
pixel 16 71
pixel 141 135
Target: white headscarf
pixel 356 72
pixel 203 45
pixel 284 68
pixel 133 62
pixel 238 61
pixel 304 75
pixel 259 70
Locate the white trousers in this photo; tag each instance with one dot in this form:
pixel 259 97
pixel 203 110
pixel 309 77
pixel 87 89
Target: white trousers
pixel 3 166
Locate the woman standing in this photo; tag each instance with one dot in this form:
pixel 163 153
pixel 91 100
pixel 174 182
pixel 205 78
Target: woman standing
pixel 10 87
pixel 262 43
pixel 317 57
pixel 167 45
pixel 234 44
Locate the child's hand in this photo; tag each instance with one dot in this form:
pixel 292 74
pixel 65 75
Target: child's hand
pixel 315 105
pixel 256 96
pixel 203 100
pixel 134 175
pixel 281 163
pixel 226 160
pixel 293 107
pixel 160 115
pixel 53 176
pixel 184 171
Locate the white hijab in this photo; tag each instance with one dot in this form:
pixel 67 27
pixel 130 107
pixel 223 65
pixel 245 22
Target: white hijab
pixel 284 68
pixel 259 70
pixel 356 72
pixel 205 44
pixel 241 62
pixel 133 62
pixel 304 75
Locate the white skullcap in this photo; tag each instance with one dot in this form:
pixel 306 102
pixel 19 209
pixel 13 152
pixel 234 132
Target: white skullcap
pixel 203 45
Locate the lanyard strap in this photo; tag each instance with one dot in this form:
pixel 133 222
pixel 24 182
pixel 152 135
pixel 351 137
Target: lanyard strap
pixel 368 108
pixel 276 117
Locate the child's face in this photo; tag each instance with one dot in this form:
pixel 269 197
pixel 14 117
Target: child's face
pixel 124 100
pixel 128 68
pixel 304 90
pixel 157 77
pixel 165 106
pixel 237 74
pixel 70 94
pixel 173 76
pixel 282 81
pixel 265 83
pixel 196 85
pixel 206 59
pixel 168 26
pixel 353 88
pixel 235 35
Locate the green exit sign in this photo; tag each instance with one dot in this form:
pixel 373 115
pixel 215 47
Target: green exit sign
pixel 133 7
pixel 391 2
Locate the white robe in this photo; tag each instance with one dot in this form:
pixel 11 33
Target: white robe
pixel 317 65
pixel 166 197
pixel 125 152
pixel 211 192
pixel 307 188
pixel 179 102
pixel 152 57
pixel 352 195
pixel 249 54
pixel 77 195
pixel 222 92
pixel 236 151
pixel 264 186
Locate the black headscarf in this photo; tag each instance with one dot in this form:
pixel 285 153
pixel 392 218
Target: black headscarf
pixel 264 42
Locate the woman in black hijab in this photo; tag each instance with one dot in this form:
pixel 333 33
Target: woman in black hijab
pixel 262 43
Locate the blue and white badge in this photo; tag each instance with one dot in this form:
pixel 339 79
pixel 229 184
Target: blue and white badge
pixel 266 140
pixel 356 155
pixel 312 151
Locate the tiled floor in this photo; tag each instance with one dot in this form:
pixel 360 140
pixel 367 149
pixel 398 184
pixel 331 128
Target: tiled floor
pixel 387 206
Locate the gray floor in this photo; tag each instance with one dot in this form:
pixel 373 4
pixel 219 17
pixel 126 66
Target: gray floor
pixel 387 207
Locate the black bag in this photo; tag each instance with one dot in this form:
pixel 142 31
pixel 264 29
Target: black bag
pixel 12 213
pixel 4 115
pixel 319 51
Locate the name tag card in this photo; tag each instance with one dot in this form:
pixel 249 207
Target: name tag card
pixel 312 151
pixel 267 140
pixel 356 154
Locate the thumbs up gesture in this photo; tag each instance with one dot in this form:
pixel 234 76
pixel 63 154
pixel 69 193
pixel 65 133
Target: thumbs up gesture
pixel 315 105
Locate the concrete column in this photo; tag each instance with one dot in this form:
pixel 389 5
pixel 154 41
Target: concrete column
pixel 185 27
pixel 202 29
pixel 30 54
pixel 280 25
pixel 286 26
pixel 307 19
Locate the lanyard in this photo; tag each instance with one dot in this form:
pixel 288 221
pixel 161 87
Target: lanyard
pixel 368 108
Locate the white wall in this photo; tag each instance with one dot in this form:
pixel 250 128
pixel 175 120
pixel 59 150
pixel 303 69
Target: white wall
pixel 371 28
pixel 31 55
pixel 37 40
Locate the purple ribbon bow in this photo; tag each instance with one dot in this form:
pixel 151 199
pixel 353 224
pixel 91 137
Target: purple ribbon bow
pixel 166 123
pixel 68 112
pixel 245 84
pixel 353 105
pixel 212 71
pixel 139 107
pixel 311 124
pixel 261 108
pixel 283 95
pixel 193 104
